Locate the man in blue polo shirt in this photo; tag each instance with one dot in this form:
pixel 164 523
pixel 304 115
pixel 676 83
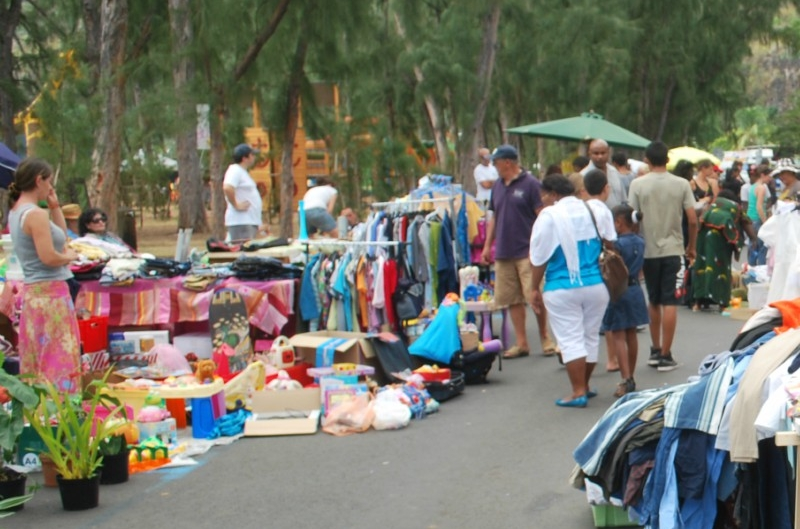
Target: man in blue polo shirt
pixel 515 202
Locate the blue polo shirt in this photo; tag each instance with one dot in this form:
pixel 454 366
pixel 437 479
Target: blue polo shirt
pixel 514 206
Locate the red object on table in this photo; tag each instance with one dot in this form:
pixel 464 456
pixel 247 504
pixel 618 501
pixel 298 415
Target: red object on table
pixel 296 372
pixel 440 375
pixel 94 334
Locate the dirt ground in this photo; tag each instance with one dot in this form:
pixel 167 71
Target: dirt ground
pixel 159 237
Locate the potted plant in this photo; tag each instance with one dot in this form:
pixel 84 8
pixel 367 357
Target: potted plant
pixel 15 397
pixel 73 433
pixel 116 455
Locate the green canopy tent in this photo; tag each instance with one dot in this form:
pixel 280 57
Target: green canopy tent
pixel 586 127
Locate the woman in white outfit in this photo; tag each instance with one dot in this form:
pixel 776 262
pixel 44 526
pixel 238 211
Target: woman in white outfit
pixel 564 251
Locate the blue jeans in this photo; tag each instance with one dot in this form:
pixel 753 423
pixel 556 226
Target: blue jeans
pixel 758 250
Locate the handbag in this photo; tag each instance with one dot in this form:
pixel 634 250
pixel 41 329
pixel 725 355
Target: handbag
pixel 612 266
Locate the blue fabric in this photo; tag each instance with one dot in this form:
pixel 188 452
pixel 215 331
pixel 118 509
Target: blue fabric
pixel 700 513
pixel 656 488
pixel 309 309
pixel 700 406
pixel 590 452
pixel 446 269
pixel 557 273
pixel 441 339
pixel 327 351
pixel 342 290
pixel 462 229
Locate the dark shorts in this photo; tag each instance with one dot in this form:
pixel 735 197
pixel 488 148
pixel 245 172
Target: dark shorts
pixel 665 280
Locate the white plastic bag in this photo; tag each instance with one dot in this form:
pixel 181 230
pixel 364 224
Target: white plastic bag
pixel 390 414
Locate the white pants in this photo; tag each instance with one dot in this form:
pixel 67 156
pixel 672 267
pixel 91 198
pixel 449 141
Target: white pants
pixel 575 316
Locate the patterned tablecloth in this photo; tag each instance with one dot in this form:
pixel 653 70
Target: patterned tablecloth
pixel 165 301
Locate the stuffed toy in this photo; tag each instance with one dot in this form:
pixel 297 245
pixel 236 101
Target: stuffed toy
pixel 205 371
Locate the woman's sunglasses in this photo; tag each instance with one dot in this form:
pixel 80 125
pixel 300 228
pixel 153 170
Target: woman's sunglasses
pixel 99 219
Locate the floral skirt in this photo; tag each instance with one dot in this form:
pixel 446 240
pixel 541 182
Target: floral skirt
pixel 49 342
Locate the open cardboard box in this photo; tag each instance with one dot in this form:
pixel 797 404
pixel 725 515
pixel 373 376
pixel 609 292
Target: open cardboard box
pixel 356 350
pixel 290 412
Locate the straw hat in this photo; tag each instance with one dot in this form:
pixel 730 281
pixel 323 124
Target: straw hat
pixel 71 211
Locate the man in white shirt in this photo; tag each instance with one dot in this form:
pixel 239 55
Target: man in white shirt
pixel 243 214
pixel 485 176
pixel 598 153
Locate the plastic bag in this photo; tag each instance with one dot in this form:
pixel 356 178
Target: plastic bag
pixel 351 416
pixel 171 360
pixel 390 415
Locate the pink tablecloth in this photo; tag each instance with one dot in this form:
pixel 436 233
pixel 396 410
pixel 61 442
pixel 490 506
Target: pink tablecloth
pixel 165 301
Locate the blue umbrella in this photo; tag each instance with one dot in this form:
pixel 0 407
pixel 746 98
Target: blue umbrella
pixel 8 164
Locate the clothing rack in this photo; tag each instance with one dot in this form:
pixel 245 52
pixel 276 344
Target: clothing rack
pixel 344 242
pixel 411 202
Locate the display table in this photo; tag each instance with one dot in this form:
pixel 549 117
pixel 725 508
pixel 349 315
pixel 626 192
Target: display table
pixel 166 301
pixel 792 439
pixel 485 309
pixel 290 253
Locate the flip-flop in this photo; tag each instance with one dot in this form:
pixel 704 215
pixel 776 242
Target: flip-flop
pixel 550 351
pixel 612 370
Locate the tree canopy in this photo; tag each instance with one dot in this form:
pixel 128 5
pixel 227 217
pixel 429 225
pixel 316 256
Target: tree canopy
pixel 107 89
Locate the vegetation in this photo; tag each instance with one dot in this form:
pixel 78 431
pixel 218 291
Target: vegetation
pixel 104 85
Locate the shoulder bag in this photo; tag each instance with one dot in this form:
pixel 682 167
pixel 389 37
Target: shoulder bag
pixel 612 266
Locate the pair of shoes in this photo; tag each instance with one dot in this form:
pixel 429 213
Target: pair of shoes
pixel 625 387
pixel 590 394
pixel 655 357
pixel 666 363
pixel 578 402
pixel 515 352
pixel 549 347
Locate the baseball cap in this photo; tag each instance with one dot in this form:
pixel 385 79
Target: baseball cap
pixel 242 150
pixel 505 152
pixel 717 169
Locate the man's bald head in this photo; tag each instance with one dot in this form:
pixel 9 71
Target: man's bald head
pixel 484 156
pixel 598 152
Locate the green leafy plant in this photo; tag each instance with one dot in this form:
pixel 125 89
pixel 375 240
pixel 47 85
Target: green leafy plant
pixel 12 502
pixel 15 397
pixel 66 424
pixel 113 445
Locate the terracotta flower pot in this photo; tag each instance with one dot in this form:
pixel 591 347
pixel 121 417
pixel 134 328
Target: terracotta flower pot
pixel 48 471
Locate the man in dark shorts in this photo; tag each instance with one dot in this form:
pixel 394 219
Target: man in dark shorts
pixel 663 198
pixel 515 202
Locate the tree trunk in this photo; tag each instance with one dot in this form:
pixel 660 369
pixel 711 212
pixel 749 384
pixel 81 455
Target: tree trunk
pixel 217 169
pixel 292 115
pixel 192 213
pixel 468 145
pixel 93 27
pixel 665 108
pixel 431 108
pixel 103 185
pixel 9 20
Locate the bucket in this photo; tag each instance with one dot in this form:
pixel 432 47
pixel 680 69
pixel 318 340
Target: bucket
pixel 94 334
pixel 79 494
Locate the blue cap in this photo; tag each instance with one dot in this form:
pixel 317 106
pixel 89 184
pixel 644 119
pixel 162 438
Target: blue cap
pixel 242 150
pixel 505 152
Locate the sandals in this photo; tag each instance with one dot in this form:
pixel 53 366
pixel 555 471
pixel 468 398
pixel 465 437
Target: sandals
pixel 515 352
pixel 549 348
pixel 625 387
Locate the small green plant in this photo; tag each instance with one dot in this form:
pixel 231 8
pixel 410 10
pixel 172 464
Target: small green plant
pixel 12 502
pixel 66 423
pixel 15 397
pixel 112 445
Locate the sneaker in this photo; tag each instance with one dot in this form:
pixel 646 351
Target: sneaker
pixel 625 387
pixel 666 363
pixel 655 357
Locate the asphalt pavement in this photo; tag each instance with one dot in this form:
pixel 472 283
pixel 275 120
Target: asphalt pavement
pixel 498 456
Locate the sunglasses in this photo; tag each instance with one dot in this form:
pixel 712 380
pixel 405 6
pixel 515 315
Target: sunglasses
pixel 99 219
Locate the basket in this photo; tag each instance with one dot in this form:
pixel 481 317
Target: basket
pixel 469 340
pixel 281 353
pixel 94 333
pixel 611 516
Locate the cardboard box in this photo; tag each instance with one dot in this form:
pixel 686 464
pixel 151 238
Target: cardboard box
pixel 291 412
pixel 143 341
pixel 355 350
pixel 198 343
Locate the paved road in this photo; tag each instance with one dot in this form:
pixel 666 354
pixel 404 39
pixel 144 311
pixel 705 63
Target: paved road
pixel 496 457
